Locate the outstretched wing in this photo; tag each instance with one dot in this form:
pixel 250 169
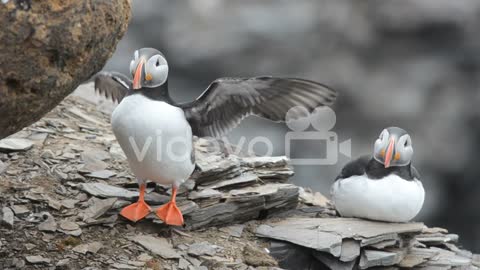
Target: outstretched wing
pixel 112 85
pixel 228 100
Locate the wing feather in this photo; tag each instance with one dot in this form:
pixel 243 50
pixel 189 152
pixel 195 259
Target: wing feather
pixel 227 101
pixel 112 85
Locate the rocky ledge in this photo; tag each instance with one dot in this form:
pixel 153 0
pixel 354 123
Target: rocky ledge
pixel 64 179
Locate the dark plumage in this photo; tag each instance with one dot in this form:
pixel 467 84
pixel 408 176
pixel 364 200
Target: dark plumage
pixel 376 170
pixel 227 101
pixel 113 85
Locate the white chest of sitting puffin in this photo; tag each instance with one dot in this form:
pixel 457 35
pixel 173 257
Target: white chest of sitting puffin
pixel 391 198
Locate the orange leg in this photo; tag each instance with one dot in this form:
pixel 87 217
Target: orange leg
pixel 169 212
pixel 138 210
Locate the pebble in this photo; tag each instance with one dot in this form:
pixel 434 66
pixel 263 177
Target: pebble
pixel 103 174
pixel 106 191
pixel 19 263
pixel 97 208
pixel 29 246
pixel 20 210
pixel 136 263
pixel 234 230
pixel 37 259
pixel 70 228
pixel 122 266
pixel 92 247
pixel 38 138
pixel 7 217
pixel 158 245
pixel 63 262
pixel 92 164
pixel 69 203
pixel 47 154
pixel 203 248
pixel 49 225
pixel 69 225
pixel 144 257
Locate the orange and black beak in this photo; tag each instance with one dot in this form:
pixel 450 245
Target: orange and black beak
pixel 389 152
pixel 137 78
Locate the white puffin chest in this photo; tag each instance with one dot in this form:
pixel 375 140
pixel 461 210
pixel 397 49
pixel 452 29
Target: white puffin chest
pixel 155 137
pixel 390 199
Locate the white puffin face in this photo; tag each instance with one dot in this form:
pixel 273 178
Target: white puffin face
pixel 149 68
pixel 393 147
pixel 156 71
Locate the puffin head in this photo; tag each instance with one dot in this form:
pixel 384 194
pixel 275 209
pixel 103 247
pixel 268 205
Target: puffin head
pixel 393 147
pixel 149 68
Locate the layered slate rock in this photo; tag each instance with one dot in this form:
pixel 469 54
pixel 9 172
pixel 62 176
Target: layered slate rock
pixel 227 186
pixel 239 210
pixel 345 243
pixel 47 48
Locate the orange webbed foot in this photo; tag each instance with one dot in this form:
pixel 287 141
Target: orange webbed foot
pixel 170 214
pixel 136 211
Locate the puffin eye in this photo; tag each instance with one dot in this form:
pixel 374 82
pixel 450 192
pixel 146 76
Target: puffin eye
pixel 407 142
pixel 158 62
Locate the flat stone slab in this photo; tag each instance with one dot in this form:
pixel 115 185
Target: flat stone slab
pixel 371 258
pixel 107 191
pixel 15 145
pixel 37 259
pixel 92 247
pixel 351 227
pixel 326 234
pixel 310 238
pixel 157 245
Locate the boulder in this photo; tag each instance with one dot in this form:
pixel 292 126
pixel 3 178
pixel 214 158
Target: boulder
pixel 47 48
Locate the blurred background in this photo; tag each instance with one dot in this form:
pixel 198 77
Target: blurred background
pixel 413 64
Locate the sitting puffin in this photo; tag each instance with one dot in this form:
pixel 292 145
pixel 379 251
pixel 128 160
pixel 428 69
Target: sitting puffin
pixel 156 133
pixel 384 187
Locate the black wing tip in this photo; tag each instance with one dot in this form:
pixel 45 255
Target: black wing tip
pixel 286 79
pixel 322 85
pixel 101 76
pixel 330 89
pixel 104 78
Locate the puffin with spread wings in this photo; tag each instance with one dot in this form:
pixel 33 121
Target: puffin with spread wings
pixel 156 133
